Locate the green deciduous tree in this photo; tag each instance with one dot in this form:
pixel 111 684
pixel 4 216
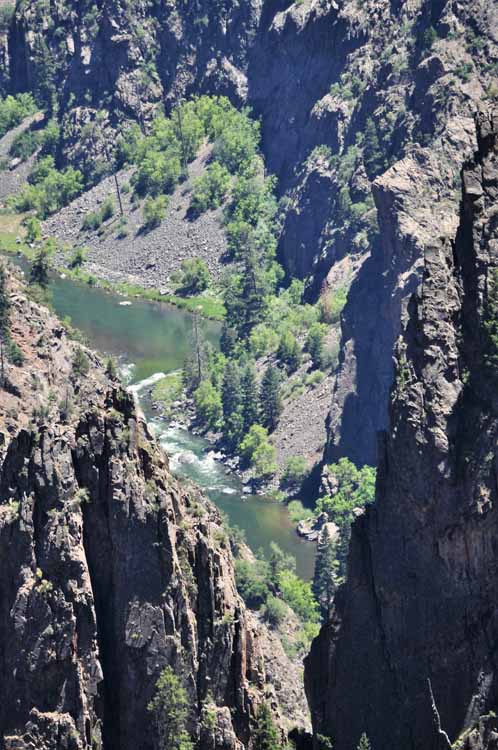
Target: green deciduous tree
pixel 210 189
pixel 170 709
pixel 208 405
pixel 289 352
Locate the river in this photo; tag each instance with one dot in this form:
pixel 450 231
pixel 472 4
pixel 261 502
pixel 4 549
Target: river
pixel 149 338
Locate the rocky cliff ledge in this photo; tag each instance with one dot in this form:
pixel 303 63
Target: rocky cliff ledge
pixel 110 569
pixel 409 655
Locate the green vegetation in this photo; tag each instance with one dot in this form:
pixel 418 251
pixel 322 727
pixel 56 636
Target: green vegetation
pixel 295 472
pixel 271 584
pixel 194 277
pixel 355 490
pixel 265 732
pixel 170 710
pixel 49 189
pixel 155 211
pixel 95 219
pixel 364 743
pixel 326 578
pixel 315 344
pixel 211 189
pixel 491 325
pixel 167 391
pixel 13 110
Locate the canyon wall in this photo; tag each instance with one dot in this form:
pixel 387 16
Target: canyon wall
pixel 409 654
pixel 110 569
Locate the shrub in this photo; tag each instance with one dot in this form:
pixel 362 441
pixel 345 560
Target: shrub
pixel 78 258
pixel 256 437
pixel 13 110
pixel 107 209
pixel 264 461
pixel 210 189
pixel 274 611
pixel 297 511
pixel 289 352
pixel 81 363
pixel 332 304
pixel 194 276
pixel 24 145
pixel 14 354
pixel 263 340
pixel 295 472
pixel 299 596
pixel 33 230
pixel 315 378
pixel 252 585
pixel 155 211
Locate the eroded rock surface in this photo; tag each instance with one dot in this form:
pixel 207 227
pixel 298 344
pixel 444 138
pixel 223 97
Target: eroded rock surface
pixel 408 656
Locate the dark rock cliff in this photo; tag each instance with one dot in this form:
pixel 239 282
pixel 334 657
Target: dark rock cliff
pixel 110 570
pixel 409 654
pixel 316 72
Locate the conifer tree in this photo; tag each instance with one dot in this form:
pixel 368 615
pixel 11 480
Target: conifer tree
pixel 326 576
pixel 266 733
pixel 39 269
pixel 231 397
pixel 364 743
pixel 170 709
pixel 270 398
pixel 250 402
pixel 372 151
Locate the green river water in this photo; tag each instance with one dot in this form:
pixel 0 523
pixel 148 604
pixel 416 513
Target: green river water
pixel 149 338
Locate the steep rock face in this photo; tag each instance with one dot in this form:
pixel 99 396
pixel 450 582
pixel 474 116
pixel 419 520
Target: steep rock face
pixel 110 569
pixel 408 655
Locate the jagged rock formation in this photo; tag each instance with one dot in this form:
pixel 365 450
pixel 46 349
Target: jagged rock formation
pixel 409 654
pixel 110 569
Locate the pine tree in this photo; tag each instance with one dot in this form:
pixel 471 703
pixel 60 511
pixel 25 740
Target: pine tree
pixel 170 709
pixel 270 398
pixel 250 411
pixel 326 576
pixel 372 152
pixel 364 743
pixel 39 269
pixel 254 293
pixel 231 397
pixel 228 339
pixel 266 733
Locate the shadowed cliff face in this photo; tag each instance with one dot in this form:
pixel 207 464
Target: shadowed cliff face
pixel 409 655
pixel 109 568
